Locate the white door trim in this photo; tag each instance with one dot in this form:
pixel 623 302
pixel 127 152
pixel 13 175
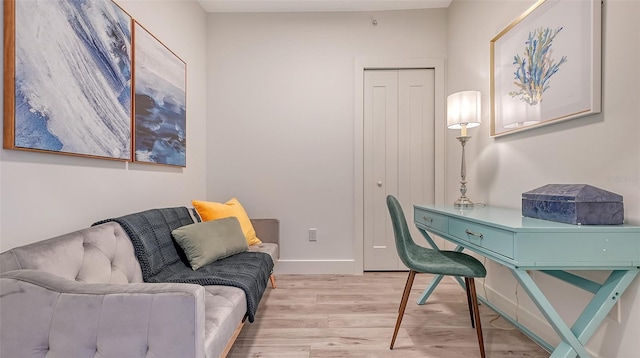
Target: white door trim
pixel 362 64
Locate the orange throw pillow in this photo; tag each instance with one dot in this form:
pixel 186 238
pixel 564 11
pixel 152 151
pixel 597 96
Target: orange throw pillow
pixel 213 211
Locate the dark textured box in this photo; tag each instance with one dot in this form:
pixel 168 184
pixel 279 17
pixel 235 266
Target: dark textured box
pixel 573 204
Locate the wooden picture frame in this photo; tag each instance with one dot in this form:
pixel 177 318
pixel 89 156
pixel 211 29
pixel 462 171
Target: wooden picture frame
pixel 546 66
pixel 160 102
pixel 67 78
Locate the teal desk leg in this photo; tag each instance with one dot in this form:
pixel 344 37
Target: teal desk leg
pixel 432 286
pixel 429 290
pixel 597 309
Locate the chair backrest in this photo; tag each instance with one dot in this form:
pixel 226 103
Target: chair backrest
pixel 404 241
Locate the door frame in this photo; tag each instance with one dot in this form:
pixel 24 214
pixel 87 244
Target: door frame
pixel 382 63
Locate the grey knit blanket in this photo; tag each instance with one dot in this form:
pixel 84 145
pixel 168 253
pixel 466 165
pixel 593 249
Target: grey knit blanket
pixel 162 259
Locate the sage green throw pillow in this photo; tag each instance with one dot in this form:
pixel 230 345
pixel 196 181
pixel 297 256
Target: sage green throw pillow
pixel 208 241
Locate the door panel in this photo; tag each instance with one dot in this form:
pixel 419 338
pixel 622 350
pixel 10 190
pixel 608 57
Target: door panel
pixel 417 156
pixel 381 172
pixel 398 155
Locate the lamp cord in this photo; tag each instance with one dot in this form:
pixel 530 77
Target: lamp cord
pixel 497 316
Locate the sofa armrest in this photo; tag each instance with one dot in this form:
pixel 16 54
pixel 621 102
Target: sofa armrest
pixel 267 230
pixel 41 312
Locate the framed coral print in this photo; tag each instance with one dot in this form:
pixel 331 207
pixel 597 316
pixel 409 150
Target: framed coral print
pixel 160 102
pixel 67 78
pixel 546 66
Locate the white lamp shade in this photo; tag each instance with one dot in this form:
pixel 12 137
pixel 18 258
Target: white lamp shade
pixel 463 108
pixel 516 113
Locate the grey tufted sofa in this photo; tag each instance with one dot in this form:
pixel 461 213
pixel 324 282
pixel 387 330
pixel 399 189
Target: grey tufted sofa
pixel 82 295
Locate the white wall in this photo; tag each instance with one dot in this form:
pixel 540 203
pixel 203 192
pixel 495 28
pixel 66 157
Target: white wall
pixel 281 118
pixel 44 195
pixel 601 150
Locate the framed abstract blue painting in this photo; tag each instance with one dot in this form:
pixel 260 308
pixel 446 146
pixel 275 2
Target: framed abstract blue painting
pixel 68 78
pixel 160 102
pixel 546 66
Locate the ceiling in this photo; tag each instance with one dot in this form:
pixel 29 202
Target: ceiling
pixel 318 5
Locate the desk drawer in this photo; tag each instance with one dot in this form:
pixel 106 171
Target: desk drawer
pixel 490 238
pixel 432 220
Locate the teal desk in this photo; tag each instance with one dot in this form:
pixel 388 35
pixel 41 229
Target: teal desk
pixel 522 244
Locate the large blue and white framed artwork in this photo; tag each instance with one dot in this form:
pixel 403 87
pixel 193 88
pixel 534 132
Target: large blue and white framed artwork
pixel 160 102
pixel 68 78
pixel 546 66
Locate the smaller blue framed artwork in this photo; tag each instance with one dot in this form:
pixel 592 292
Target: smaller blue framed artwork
pixel 159 102
pixel 546 66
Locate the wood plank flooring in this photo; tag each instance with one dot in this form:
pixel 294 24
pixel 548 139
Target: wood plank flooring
pixel 318 316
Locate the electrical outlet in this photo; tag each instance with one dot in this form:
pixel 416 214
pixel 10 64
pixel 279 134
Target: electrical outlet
pixel 313 234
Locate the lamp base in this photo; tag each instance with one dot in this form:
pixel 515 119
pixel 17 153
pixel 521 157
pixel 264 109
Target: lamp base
pixel 463 202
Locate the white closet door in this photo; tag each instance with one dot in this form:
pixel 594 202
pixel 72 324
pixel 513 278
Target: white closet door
pixel 398 155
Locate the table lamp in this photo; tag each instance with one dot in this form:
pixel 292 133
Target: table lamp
pixel 463 111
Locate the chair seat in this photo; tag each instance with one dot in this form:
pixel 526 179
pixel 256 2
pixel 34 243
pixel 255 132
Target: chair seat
pixel 445 263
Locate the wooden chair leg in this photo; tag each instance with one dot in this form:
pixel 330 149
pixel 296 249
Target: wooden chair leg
pixel 476 312
pixel 466 284
pixel 272 278
pixel 403 305
pixel 407 288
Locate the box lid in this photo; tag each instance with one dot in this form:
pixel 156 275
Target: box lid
pixel 571 192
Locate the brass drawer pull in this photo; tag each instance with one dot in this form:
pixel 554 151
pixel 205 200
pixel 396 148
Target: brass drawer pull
pixel 427 219
pixel 469 232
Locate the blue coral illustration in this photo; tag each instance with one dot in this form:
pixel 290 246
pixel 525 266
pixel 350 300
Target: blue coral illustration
pixel 535 67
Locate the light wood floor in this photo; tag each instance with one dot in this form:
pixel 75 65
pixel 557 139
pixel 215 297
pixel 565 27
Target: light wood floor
pixel 354 316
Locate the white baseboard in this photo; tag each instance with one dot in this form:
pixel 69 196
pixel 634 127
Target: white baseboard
pixel 534 322
pixel 315 267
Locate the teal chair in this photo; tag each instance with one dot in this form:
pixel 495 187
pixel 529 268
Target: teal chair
pixel 423 260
